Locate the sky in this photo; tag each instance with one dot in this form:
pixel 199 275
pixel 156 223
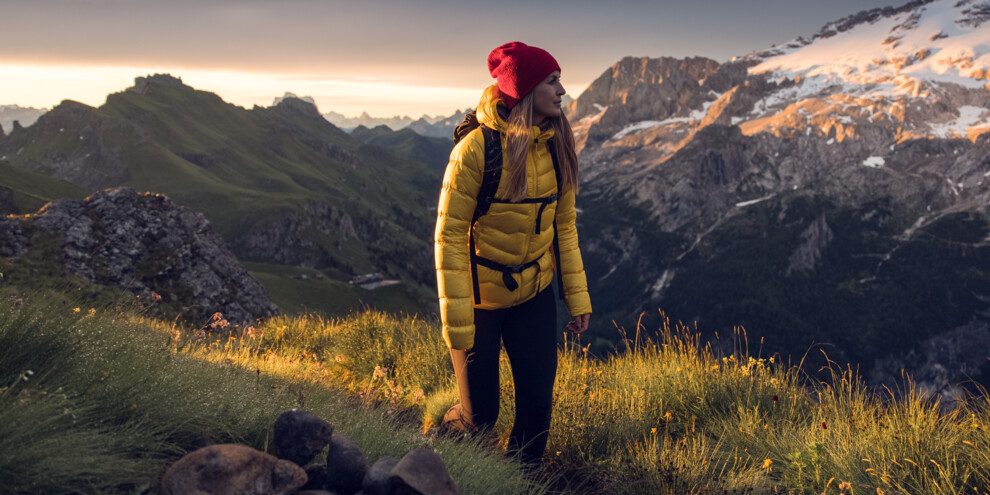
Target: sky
pixel 385 57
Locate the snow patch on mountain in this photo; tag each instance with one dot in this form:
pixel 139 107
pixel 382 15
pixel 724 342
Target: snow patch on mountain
pixel 635 127
pixel 969 117
pixel 874 162
pixel 938 42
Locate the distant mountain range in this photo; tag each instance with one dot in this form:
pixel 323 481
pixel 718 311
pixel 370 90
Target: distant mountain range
pixel 24 116
pixel 833 190
pixel 395 123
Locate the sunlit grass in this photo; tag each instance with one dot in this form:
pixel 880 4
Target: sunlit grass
pixel 668 415
pixel 101 402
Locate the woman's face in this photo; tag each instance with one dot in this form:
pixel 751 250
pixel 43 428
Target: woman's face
pixel 546 98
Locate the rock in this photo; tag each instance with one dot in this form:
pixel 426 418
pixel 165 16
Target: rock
pixel 317 474
pixel 288 239
pixel 143 243
pixel 299 436
pixel 231 469
pixel 377 481
pixel 813 241
pixel 422 472
pixel 346 466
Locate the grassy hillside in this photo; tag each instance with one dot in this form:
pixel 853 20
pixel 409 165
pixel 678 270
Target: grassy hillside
pixel 281 184
pixel 432 151
pixel 30 190
pixel 665 416
pixel 96 401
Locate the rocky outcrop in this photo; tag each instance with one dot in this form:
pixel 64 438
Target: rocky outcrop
pixel 143 243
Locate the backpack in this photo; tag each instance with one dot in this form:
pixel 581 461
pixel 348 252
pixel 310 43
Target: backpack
pixel 486 196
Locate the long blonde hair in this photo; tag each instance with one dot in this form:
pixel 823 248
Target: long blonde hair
pixel 518 141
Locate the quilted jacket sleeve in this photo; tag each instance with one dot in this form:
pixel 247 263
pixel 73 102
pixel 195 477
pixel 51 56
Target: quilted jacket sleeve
pixel 572 267
pixel 458 198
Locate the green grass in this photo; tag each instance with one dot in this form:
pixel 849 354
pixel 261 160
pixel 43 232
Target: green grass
pixel 667 416
pixel 124 396
pixel 31 190
pixel 324 292
pixel 103 402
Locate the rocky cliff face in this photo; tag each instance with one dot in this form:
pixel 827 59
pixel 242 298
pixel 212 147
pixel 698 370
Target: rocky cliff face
pixel 823 191
pixel 293 238
pixel 142 243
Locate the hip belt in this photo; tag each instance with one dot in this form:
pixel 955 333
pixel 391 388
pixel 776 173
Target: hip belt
pixel 507 271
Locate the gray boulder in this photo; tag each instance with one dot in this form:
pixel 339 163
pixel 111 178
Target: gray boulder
pixel 144 243
pixel 378 480
pixel 346 466
pixel 422 472
pixel 299 436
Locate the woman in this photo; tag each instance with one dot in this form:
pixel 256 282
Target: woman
pixel 494 271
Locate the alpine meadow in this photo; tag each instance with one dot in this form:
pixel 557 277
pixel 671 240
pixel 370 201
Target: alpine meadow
pixel 788 254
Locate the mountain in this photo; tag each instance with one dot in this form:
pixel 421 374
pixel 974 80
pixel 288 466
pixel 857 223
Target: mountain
pixel 829 191
pixel 440 127
pixel 24 116
pixel 433 151
pixel 348 123
pixel 285 188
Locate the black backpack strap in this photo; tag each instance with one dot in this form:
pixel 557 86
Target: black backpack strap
pixel 556 243
pixel 467 125
pixel 492 174
pixel 490 178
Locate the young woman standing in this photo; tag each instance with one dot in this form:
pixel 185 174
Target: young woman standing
pixel 495 265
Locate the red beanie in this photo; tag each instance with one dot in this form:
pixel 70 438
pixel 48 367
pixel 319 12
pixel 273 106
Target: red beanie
pixel 518 68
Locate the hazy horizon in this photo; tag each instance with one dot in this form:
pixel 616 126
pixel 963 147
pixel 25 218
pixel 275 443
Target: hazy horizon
pixel 382 57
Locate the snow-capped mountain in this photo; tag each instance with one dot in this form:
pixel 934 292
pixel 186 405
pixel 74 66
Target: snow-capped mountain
pixel 921 54
pixel 833 189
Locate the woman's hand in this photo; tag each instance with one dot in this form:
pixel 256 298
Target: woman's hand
pixel 579 324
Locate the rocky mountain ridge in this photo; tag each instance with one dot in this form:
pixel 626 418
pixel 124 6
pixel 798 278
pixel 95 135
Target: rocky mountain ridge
pixel 822 191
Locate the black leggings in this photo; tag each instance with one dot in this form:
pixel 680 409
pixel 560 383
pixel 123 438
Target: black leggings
pixel 529 333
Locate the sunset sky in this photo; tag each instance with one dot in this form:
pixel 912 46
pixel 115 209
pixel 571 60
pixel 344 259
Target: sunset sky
pixel 386 57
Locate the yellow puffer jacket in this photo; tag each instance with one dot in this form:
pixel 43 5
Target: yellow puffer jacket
pixel 506 234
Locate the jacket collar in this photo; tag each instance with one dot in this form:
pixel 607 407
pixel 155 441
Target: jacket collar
pixel 492 113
